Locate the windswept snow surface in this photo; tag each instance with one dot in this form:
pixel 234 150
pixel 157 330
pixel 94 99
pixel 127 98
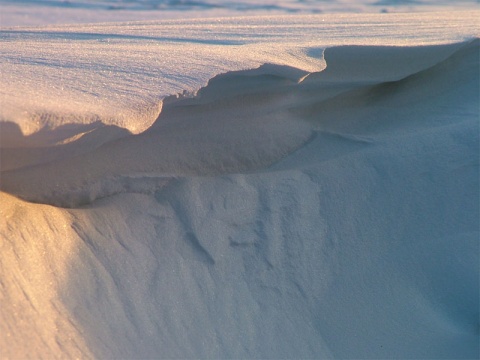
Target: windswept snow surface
pixel 312 191
pixel 44 12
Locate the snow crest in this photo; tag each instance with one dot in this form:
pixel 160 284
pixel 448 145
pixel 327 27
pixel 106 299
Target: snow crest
pixel 205 135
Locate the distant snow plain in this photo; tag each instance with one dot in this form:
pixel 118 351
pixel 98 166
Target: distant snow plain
pixel 278 186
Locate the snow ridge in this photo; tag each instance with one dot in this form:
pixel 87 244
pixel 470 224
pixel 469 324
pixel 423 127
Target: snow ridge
pixel 213 120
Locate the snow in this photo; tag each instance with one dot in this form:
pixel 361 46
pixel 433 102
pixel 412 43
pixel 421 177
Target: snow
pixel 119 73
pixel 301 186
pixel 42 12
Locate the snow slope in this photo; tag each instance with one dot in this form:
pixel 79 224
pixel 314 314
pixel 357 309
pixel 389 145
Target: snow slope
pixel 324 205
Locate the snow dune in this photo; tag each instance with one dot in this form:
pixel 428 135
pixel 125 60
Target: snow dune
pixel 322 205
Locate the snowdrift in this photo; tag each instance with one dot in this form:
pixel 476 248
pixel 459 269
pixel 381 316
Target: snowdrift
pixel 281 212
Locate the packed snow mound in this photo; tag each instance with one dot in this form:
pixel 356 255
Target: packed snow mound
pixel 322 210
